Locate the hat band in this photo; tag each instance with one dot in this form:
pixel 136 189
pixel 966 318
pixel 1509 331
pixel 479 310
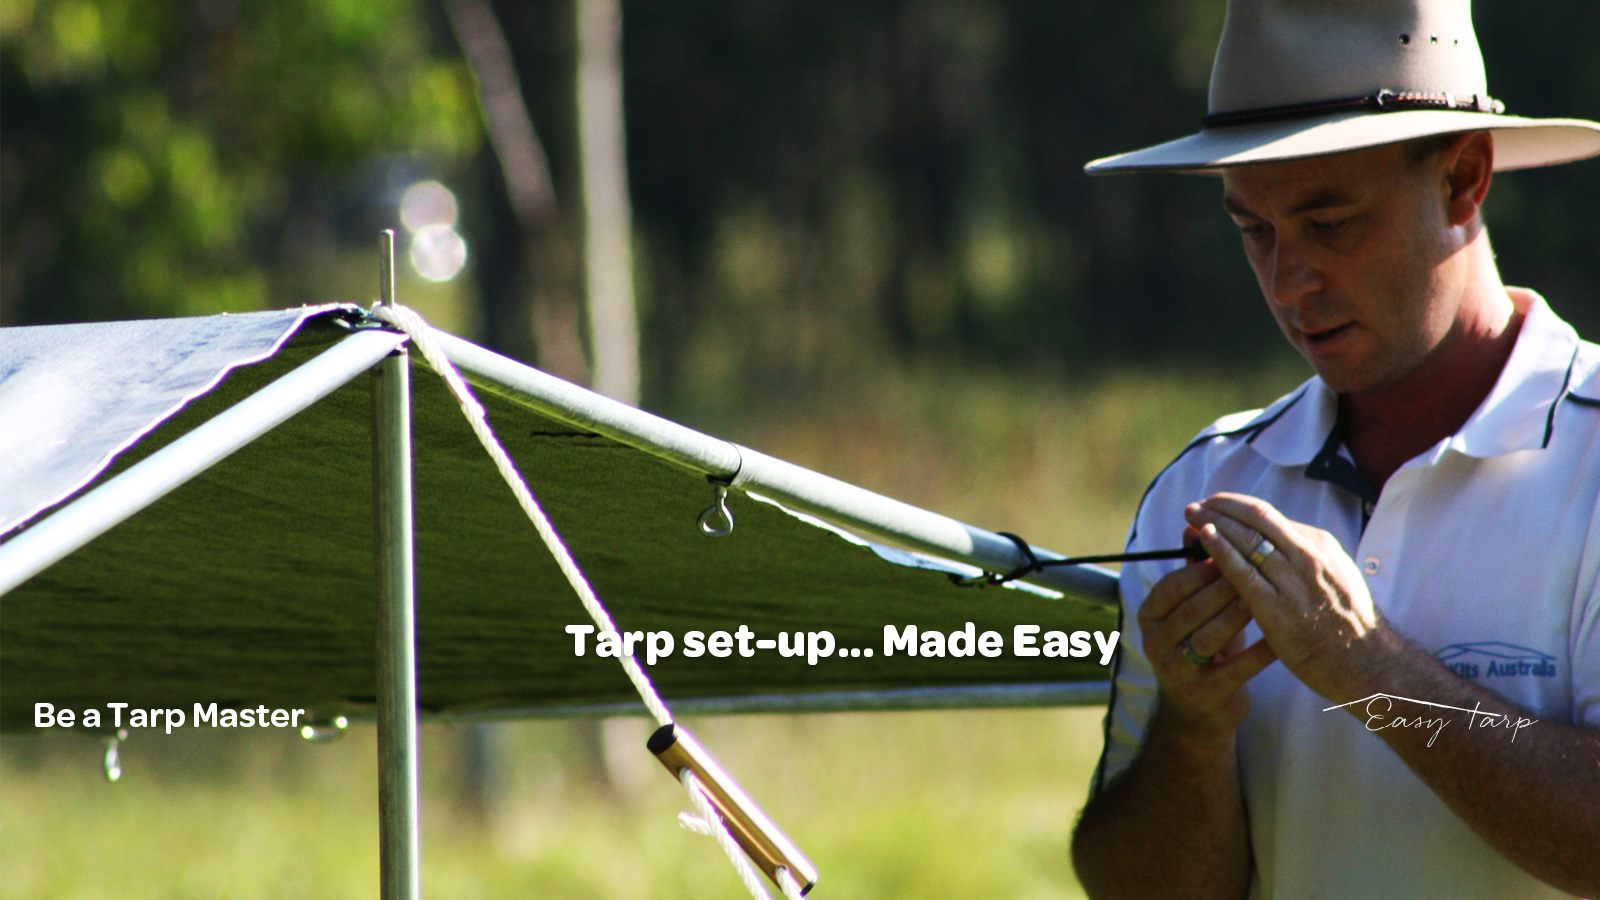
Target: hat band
pixel 1383 100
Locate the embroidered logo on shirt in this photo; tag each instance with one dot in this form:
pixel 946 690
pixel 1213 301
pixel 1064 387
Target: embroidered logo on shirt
pixel 1496 659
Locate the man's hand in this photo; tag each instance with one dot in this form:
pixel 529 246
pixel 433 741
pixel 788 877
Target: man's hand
pixel 1197 604
pixel 1174 823
pixel 1536 800
pixel 1308 596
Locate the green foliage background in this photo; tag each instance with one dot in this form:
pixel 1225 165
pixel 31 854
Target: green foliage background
pixel 821 189
pixel 863 242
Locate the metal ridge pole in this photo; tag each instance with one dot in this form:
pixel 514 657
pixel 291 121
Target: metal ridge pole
pixel 399 845
pixel 857 508
pixel 566 402
pixel 52 539
pixel 796 487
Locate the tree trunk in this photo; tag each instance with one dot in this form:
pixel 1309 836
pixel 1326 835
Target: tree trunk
pixel 526 173
pixel 608 216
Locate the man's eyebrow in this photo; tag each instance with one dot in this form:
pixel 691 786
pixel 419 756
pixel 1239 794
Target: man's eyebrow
pixel 1233 207
pixel 1324 200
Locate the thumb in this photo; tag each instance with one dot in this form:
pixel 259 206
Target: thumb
pixel 1190 535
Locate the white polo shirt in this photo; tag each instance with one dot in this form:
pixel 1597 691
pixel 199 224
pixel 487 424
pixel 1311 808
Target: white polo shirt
pixel 1483 550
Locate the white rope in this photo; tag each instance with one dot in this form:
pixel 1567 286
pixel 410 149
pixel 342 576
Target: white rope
pixel 724 838
pixel 708 822
pixel 421 334
pixel 789 886
pixel 691 822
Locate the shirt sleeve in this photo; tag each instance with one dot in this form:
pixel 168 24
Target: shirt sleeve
pixel 1133 689
pixel 1157 526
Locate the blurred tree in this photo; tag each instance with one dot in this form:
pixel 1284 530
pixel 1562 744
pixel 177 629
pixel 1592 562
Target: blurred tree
pixel 542 323
pixel 161 157
pixel 817 188
pixel 817 185
pixel 1542 221
pixel 607 214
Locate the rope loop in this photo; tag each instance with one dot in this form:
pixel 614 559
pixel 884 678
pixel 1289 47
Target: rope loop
pixel 995 578
pixel 714 827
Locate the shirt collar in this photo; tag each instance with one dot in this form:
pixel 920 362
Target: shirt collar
pixel 1514 416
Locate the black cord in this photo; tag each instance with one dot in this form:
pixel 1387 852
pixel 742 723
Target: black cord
pixel 1032 565
pixel 1194 551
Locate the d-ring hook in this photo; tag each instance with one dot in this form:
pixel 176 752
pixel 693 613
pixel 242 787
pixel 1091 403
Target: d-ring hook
pixel 716 520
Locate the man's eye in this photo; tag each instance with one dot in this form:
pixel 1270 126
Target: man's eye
pixel 1334 225
pixel 1255 230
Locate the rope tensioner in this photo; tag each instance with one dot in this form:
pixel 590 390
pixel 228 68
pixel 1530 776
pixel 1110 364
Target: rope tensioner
pixel 726 812
pixel 756 834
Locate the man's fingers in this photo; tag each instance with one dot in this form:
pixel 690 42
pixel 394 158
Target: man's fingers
pixel 1214 635
pixel 1258 516
pixel 1230 560
pixel 1247 664
pixel 1244 537
pixel 1241 536
pixel 1174 588
pixel 1201 606
pixel 1205 690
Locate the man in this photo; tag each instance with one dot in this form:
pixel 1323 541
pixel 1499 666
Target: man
pixel 1450 442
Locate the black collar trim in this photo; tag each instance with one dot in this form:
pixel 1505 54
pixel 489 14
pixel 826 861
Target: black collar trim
pixel 1329 466
pixel 1550 421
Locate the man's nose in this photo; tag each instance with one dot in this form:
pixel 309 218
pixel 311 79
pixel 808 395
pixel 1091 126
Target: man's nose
pixel 1293 274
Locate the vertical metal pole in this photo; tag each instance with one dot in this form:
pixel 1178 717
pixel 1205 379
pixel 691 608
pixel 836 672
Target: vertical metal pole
pixel 399 847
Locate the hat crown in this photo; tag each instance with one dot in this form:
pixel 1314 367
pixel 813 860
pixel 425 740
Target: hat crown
pixel 1290 52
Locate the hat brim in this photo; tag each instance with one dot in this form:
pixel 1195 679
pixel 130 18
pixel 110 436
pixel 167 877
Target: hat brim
pixel 1519 143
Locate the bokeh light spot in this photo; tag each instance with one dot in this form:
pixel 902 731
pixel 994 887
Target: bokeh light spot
pixel 425 204
pixel 438 253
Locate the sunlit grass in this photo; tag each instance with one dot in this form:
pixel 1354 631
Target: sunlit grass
pixel 899 805
pixel 969 804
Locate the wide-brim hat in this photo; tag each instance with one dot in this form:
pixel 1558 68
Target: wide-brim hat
pixel 1303 78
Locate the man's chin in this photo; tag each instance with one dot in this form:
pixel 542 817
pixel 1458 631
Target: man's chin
pixel 1342 379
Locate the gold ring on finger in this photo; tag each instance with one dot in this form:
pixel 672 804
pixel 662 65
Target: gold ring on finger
pixel 1190 655
pixel 1261 552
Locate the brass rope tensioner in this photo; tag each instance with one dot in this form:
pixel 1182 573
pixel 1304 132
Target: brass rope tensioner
pixel 756 834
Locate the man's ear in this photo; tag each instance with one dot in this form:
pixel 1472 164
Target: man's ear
pixel 1468 167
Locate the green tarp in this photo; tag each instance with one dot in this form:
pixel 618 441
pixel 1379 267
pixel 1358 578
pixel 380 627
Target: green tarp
pixel 253 583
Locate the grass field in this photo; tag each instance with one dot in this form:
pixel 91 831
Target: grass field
pixel 972 804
